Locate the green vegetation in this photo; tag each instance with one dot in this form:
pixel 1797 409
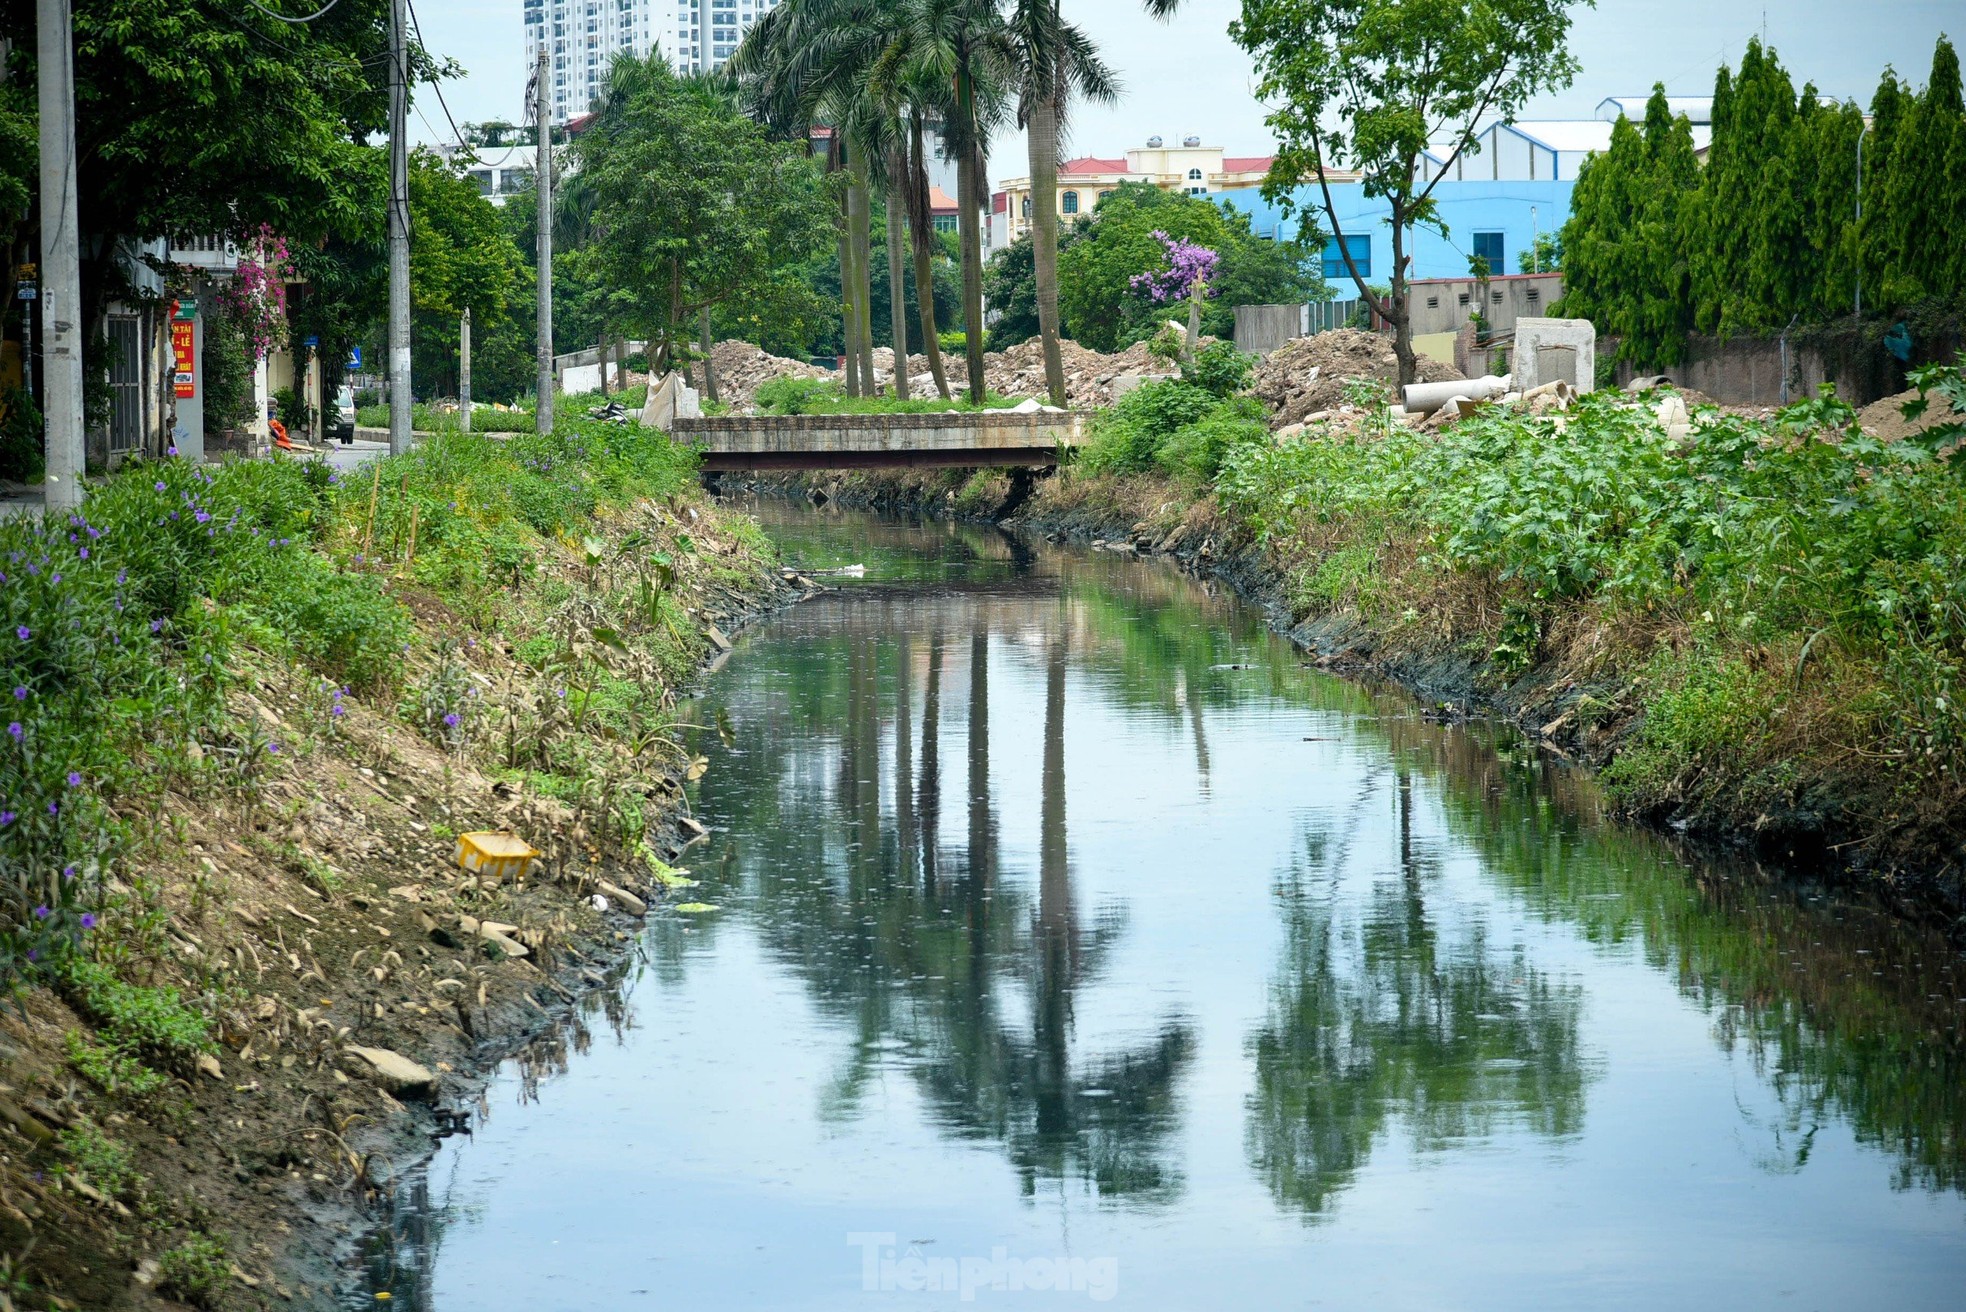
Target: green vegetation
pixel 1183 427
pixel 1789 593
pixel 1102 254
pixel 823 396
pixel 113 1071
pixel 135 1018
pixel 1380 86
pixel 667 161
pixel 195 1271
pixel 1766 234
pixel 429 419
pixel 104 1163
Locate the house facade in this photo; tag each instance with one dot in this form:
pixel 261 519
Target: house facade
pixel 1190 167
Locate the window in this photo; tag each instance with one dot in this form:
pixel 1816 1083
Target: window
pixel 1104 194
pixel 1194 175
pixel 1433 302
pixel 1027 207
pixel 1069 203
pixel 1488 246
pixel 1360 249
pixel 947 223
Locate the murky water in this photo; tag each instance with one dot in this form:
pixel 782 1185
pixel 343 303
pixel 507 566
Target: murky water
pixel 1057 962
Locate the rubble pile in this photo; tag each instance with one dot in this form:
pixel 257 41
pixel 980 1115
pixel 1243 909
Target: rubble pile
pixel 1019 371
pixel 1308 376
pixel 742 368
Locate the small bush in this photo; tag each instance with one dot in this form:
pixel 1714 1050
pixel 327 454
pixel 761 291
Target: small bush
pixel 112 1070
pixel 195 1271
pixel 100 1160
pixel 20 437
pixel 1219 369
pixel 134 1017
pixel 795 396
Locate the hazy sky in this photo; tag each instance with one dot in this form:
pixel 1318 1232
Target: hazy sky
pixel 1186 76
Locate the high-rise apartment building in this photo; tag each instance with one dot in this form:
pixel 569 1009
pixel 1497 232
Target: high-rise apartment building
pixel 586 35
pixel 706 32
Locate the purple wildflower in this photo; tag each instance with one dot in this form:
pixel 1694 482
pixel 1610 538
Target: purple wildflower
pixel 156 626
pixel 451 719
pixel 74 779
pixel 6 818
pixel 54 808
pixel 160 485
pixel 42 913
pixel 23 633
pixel 84 551
pixel 88 920
pixel 20 693
pixel 15 730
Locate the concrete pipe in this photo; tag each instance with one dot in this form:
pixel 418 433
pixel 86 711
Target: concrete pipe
pixel 1425 398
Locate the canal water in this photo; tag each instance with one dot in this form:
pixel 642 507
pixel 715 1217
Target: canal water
pixel 1076 944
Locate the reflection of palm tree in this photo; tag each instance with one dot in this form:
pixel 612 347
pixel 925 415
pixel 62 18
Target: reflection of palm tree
pixel 928 795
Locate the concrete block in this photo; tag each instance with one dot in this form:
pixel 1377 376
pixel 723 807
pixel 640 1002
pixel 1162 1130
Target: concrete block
pixel 1543 347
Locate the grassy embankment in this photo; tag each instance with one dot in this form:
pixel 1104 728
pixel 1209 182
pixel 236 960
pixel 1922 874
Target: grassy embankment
pixel 240 692
pixel 1759 630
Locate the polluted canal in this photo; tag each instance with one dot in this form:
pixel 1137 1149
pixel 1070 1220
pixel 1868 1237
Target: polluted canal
pixel 1072 941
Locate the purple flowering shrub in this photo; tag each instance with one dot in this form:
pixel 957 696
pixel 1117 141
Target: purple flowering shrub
pixel 1183 268
pixel 118 620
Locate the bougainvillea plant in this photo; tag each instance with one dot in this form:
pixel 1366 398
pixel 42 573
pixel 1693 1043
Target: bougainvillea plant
pixel 257 298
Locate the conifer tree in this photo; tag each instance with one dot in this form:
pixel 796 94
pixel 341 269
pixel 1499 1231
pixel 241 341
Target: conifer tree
pixel 1922 190
pixel 1881 237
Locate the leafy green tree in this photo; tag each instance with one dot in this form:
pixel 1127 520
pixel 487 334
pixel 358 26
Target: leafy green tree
pixel 1096 268
pixel 1010 285
pixel 1546 256
pixel 204 118
pixel 1923 199
pixel 1372 85
pixel 694 207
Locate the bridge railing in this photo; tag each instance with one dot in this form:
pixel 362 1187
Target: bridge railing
pixel 956 438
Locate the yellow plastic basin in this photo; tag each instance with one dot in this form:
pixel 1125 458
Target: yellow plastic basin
pixel 495 854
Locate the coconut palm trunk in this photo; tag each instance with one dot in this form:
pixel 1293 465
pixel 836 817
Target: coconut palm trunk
pixel 969 192
pixel 863 259
pixel 707 339
pixel 849 315
pixel 921 236
pixel 897 279
pixel 1042 134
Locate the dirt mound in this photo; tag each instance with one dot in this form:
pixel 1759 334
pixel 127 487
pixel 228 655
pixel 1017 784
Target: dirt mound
pixel 1309 374
pixel 742 368
pixel 1886 419
pixel 1019 371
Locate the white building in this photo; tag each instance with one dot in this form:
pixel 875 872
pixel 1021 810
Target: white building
pixel 701 35
pixel 586 35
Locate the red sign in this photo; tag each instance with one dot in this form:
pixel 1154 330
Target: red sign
pixel 184 349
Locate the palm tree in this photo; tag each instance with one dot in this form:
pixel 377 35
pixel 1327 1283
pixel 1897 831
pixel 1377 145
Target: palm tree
pixel 962 45
pixel 1054 60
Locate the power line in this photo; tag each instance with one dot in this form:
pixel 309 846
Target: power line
pixel 442 103
pixel 273 13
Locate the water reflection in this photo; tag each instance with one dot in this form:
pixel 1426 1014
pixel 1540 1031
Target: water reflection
pixel 1064 907
pixel 1380 1013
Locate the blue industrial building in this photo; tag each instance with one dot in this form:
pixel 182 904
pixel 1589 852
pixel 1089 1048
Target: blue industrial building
pixel 1497 219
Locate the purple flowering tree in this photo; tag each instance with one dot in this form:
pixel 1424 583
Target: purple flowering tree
pixel 1187 272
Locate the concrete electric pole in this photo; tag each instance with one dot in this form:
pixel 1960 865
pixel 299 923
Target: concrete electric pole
pixel 61 278
pixel 464 371
pixel 399 232
pixel 542 123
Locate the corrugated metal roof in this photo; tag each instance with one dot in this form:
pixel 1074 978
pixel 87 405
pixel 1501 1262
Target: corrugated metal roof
pixel 1697 109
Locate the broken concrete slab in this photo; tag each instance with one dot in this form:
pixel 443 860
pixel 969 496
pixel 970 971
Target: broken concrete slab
pixel 1547 349
pixel 396 1073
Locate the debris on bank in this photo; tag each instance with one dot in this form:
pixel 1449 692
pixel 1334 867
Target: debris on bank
pixel 1310 374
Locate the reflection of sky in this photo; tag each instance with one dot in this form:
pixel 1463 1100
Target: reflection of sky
pixel 696 1163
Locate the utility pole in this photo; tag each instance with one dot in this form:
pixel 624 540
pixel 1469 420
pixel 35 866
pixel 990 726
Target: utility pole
pixel 464 372
pixel 399 233
pixel 543 172
pixel 61 277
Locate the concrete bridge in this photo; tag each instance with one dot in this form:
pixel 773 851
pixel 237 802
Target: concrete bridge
pixel 951 439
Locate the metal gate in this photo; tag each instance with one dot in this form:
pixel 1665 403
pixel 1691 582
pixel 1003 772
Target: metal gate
pixel 125 384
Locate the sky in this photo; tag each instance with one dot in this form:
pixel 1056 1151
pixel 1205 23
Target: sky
pixel 1185 77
